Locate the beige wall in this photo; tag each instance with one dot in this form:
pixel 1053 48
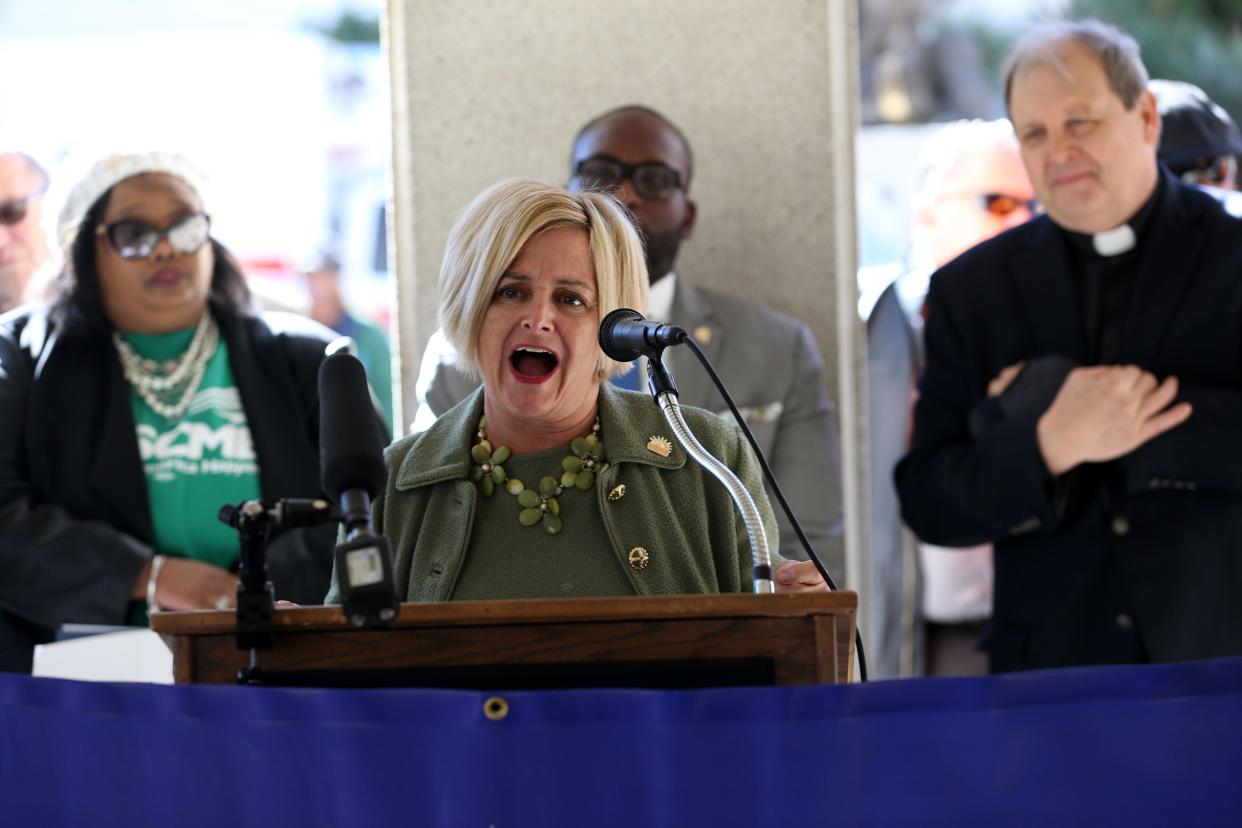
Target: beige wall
pixel 763 90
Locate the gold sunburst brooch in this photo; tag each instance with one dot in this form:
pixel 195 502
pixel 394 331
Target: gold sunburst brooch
pixel 660 445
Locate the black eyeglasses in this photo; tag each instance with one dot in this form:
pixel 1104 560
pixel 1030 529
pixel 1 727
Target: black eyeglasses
pixel 1000 204
pixel 15 209
pixel 133 239
pixel 650 179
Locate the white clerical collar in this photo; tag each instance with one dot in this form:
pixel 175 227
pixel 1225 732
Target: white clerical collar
pixel 1114 242
pixel 660 297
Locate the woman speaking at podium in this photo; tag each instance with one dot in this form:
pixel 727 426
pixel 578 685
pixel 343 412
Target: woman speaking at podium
pixel 132 407
pixel 549 481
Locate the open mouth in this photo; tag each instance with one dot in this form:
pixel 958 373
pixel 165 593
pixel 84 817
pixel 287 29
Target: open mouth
pixel 533 363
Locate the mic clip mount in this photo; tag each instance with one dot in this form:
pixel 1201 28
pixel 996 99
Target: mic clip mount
pixel 257 523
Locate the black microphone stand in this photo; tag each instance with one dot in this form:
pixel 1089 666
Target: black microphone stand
pixel 257 524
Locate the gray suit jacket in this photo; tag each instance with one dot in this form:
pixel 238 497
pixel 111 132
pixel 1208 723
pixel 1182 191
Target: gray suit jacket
pixel 772 367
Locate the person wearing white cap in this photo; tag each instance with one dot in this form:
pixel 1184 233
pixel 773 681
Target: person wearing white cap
pixel 134 404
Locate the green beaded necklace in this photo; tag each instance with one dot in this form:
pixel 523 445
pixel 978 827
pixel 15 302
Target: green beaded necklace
pixel 539 505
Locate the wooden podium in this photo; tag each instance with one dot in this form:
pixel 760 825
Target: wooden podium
pixel 680 641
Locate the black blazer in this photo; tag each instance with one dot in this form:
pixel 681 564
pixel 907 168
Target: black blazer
pixel 75 526
pixel 1133 559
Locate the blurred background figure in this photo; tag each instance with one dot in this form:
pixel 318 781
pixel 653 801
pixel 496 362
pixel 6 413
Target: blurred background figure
pixel 1199 142
pixel 327 307
pixel 24 246
pixel 971 185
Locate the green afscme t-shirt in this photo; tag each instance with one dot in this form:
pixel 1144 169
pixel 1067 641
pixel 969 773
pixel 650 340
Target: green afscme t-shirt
pixel 196 464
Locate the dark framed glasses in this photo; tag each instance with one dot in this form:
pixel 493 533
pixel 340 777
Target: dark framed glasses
pixel 14 210
pixel 133 239
pixel 650 179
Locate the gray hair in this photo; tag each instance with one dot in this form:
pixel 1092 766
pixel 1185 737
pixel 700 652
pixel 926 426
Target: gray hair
pixel 1117 52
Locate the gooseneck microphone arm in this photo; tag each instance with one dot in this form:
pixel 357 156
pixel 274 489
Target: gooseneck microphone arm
pixel 665 391
pixel 624 335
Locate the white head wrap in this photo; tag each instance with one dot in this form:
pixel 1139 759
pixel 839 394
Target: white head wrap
pixel 106 173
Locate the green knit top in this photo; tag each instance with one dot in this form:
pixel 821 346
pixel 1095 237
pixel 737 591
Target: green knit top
pixel 508 560
pixel 670 527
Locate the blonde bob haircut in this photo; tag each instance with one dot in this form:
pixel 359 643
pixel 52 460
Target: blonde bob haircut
pixel 491 232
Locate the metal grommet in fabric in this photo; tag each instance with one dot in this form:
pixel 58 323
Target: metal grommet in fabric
pixel 495 708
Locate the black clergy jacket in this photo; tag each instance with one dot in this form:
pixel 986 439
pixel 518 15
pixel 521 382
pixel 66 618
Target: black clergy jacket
pixel 75 523
pixel 1134 560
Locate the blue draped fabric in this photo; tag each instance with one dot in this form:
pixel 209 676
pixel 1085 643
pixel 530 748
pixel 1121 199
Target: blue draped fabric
pixel 1151 745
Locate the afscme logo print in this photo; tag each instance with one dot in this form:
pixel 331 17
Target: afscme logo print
pixel 224 401
pixel 192 441
pixel 201 444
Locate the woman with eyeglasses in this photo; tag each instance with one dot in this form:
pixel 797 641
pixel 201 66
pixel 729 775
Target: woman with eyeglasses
pixel 549 481
pixel 135 404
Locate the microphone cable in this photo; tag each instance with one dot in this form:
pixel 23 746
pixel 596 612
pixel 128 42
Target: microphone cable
pixel 776 490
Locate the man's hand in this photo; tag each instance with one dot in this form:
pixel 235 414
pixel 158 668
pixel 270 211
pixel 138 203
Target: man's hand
pixel 799 576
pixel 1104 412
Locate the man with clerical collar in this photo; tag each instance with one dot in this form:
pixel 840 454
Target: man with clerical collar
pixel 1082 397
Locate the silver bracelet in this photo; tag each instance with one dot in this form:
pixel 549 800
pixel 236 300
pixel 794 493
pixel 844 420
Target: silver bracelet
pixel 157 563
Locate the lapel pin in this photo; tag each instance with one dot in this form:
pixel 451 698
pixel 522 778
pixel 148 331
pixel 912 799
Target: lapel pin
pixel 660 446
pixel 639 558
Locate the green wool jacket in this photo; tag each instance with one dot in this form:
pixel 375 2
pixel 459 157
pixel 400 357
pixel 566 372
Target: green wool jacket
pixel 669 508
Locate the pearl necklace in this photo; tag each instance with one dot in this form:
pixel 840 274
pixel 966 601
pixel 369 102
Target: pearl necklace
pixel 167 388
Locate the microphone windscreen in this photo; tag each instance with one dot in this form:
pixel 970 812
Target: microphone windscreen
pixel 351 449
pixel 608 343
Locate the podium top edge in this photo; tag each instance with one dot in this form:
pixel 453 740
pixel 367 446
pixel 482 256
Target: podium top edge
pixel 532 610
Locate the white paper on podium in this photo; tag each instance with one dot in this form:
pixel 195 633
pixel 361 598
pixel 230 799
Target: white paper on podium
pixel 130 655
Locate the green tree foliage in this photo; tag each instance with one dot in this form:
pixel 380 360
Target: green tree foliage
pixel 1199 42
pixel 351 28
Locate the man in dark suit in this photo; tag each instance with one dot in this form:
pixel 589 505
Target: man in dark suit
pixel 1083 392
pixel 768 361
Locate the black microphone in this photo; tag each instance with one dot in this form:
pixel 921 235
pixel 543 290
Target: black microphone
pixel 352 470
pixel 625 335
